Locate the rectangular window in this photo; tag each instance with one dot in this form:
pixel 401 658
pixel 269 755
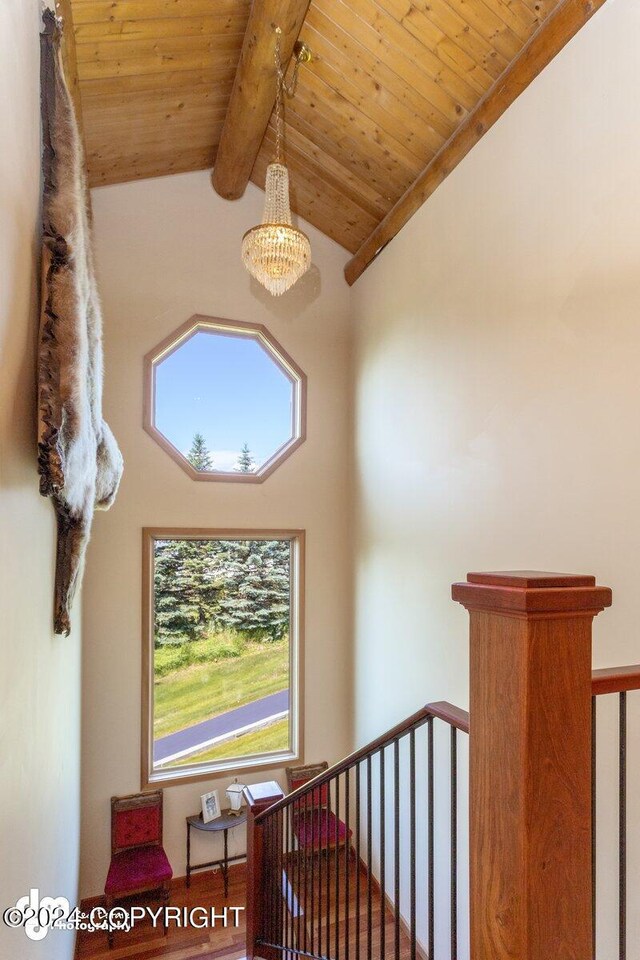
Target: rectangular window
pixel 221 657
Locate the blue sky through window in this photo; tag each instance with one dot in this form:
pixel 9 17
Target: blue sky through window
pixel 228 389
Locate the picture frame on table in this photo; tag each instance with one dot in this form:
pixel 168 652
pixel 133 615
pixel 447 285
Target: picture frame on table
pixel 210 806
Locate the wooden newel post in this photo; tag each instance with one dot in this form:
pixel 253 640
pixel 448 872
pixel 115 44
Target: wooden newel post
pixel 530 763
pixel 259 797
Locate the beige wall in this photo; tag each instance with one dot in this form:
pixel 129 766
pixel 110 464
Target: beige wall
pixel 166 249
pixel 39 673
pixel 496 390
pixel 498 386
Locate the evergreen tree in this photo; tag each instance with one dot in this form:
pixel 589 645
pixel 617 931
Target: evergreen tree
pixel 188 582
pixel 245 463
pixel 256 598
pixel 204 585
pixel 198 456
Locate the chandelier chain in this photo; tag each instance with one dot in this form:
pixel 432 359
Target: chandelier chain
pixel 282 87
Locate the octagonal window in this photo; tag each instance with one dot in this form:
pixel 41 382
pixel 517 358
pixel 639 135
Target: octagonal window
pixel 224 400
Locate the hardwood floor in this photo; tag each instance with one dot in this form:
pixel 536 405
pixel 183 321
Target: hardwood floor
pixel 143 942
pixel 326 933
pixel 335 904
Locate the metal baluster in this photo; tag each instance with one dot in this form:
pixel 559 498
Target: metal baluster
pixel 263 930
pixel 296 871
pixel 291 890
pixel 272 862
pixel 454 843
pixel 290 881
pixel 325 830
pixel 382 857
pixel 337 871
pixel 305 862
pixel 277 874
pixel 285 888
pixel 277 885
pixel 396 844
pixel 276 882
pixel 594 771
pixel 412 839
pixel 358 861
pixel 369 838
pixel 347 854
pixel 295 886
pixel 430 831
pixel 265 926
pixel 302 879
pixel 309 828
pixel 282 846
pixel 276 842
pixel 316 814
pixel 622 814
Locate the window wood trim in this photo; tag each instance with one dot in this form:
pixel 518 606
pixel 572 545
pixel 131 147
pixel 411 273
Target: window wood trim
pixel 296 654
pixel 286 363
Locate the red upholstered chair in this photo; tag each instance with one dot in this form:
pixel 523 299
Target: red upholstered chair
pixel 138 861
pixel 314 824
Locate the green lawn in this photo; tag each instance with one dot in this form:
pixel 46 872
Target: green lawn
pixel 275 737
pixel 190 694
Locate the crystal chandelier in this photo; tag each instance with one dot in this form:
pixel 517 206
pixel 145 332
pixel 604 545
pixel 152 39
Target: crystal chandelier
pixel 274 252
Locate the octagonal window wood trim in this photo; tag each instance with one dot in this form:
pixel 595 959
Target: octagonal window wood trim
pixel 231 328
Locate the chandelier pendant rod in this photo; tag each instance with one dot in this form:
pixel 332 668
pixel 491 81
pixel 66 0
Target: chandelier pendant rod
pixel 275 252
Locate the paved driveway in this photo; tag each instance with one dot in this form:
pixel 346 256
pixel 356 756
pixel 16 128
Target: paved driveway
pixel 202 733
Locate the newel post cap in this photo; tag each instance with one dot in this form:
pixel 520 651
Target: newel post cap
pixel 532 594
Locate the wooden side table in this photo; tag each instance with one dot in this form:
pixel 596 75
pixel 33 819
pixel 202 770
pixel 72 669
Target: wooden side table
pixel 227 821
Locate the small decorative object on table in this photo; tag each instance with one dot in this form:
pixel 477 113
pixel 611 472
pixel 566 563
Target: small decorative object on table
pixel 210 806
pixel 235 793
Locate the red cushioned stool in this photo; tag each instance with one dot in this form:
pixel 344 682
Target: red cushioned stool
pixel 138 861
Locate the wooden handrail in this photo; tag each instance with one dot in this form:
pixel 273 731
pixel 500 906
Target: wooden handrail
pixel 606 680
pixel 441 710
pixel 454 716
pixel 616 679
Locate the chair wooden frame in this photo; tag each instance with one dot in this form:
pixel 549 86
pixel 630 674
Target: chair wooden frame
pixel 134 801
pixel 308 771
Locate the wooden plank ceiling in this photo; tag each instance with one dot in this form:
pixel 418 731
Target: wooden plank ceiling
pixel 391 82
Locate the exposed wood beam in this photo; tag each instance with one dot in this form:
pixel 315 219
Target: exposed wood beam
pixel 254 91
pixel 548 40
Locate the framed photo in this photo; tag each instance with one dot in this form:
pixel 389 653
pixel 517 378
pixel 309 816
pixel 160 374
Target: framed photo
pixel 210 806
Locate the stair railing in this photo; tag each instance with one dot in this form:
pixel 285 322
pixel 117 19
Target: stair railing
pixel 530 805
pixel 341 867
pixel 618 681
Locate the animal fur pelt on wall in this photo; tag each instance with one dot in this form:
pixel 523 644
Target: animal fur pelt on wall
pixel 79 462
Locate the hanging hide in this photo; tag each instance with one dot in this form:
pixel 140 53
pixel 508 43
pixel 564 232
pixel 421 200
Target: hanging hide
pixel 79 462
